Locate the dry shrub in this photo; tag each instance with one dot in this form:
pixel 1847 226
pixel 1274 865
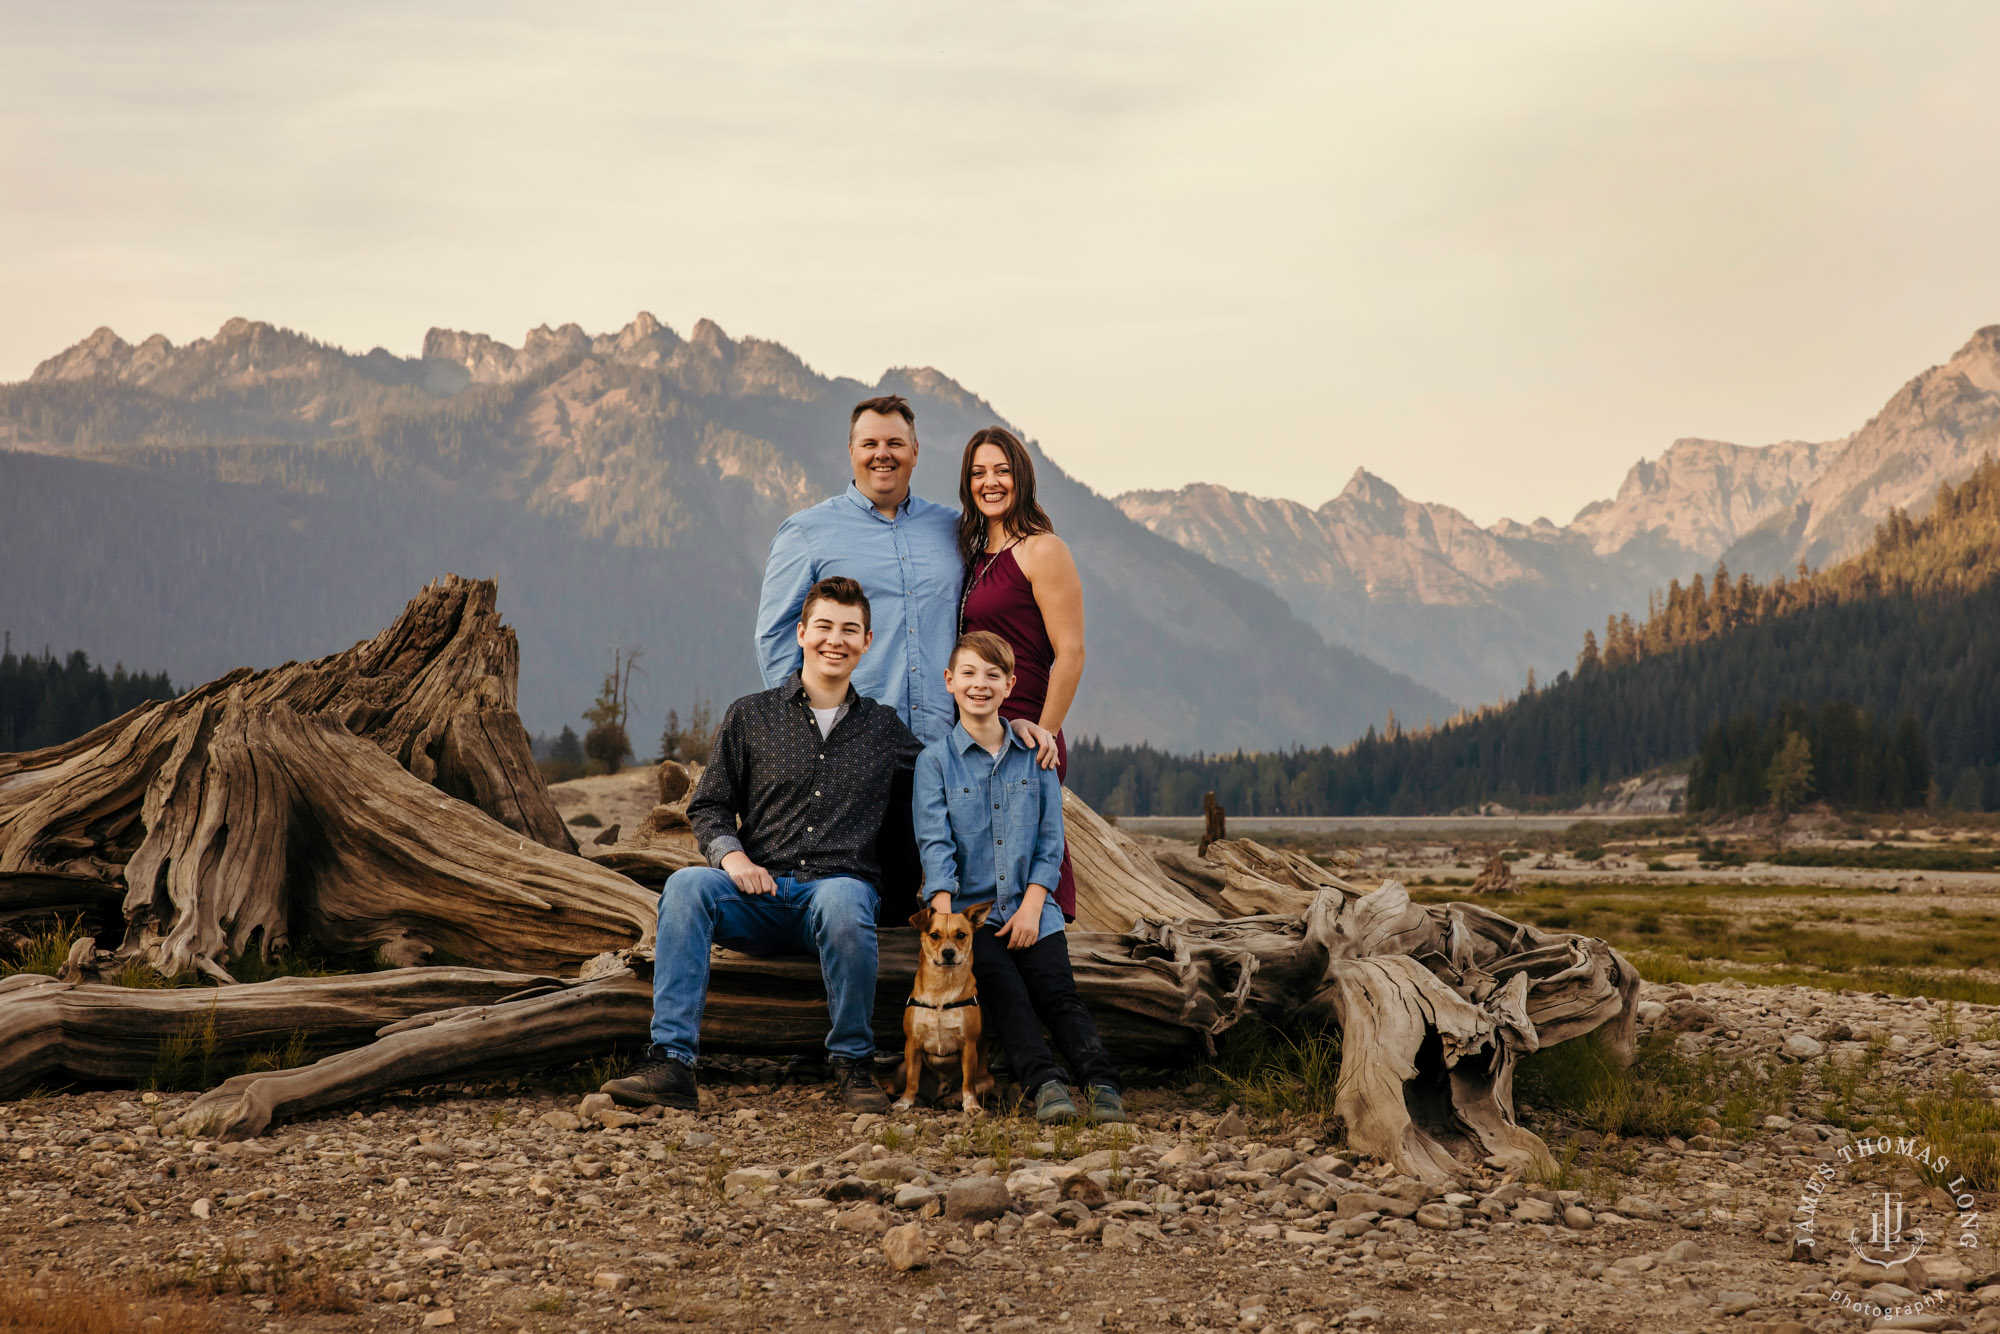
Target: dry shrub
pixel 62 1305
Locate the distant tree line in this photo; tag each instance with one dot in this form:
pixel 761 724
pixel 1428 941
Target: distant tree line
pixel 1952 550
pixel 45 701
pixel 1835 754
pixel 1909 628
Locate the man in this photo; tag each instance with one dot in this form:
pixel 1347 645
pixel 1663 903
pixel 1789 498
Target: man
pixel 903 551
pixel 788 814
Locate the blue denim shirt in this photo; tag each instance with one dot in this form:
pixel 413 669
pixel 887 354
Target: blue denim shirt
pixel 910 569
pixel 989 826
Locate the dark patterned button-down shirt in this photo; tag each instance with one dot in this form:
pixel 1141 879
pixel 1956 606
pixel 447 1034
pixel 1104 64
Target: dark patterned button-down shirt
pixel 809 806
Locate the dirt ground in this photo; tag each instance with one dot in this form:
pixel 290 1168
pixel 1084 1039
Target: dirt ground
pixel 774 1208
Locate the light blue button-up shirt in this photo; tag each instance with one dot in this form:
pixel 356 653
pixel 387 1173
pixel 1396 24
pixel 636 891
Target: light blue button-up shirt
pixel 910 569
pixel 989 826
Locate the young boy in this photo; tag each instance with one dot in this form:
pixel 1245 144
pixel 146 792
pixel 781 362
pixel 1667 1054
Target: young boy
pixel 989 827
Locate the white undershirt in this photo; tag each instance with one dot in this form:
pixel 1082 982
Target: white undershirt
pixel 824 717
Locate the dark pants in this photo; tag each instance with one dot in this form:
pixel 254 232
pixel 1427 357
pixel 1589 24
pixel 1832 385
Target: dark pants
pixel 1019 992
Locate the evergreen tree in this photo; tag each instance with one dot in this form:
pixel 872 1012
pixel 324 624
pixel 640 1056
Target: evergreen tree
pixel 1790 775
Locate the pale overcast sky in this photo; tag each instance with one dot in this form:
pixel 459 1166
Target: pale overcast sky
pixel 1493 252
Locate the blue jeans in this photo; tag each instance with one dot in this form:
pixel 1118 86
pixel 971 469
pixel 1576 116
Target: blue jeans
pixel 832 918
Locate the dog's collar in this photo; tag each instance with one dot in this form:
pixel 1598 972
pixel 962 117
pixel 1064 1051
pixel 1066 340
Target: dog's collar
pixel 948 1005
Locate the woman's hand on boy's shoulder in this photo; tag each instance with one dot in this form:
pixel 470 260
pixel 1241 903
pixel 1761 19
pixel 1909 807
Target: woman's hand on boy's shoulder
pixel 1040 739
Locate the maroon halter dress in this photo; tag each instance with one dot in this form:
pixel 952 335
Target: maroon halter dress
pixel 999 598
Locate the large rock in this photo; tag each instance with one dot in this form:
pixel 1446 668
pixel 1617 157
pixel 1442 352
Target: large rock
pixel 976 1199
pixel 905 1247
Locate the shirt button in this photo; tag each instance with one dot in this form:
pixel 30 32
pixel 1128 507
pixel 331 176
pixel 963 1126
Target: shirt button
pixel 809 829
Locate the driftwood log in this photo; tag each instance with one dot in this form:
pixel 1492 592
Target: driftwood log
pixel 385 797
pixel 380 798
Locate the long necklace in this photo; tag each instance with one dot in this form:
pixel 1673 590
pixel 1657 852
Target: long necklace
pixel 979 572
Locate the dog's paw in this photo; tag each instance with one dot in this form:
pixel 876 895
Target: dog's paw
pixel 902 1105
pixel 972 1107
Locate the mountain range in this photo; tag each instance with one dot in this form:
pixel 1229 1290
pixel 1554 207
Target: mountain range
pixel 260 496
pixel 1470 610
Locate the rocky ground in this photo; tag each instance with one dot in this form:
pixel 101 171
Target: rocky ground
pixel 773 1207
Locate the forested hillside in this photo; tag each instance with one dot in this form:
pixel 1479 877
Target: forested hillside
pixel 45 700
pixel 1909 627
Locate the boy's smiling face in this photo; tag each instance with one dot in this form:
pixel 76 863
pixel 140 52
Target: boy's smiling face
pixel 977 685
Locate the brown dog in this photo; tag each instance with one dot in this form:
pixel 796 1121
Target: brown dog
pixel 941 1018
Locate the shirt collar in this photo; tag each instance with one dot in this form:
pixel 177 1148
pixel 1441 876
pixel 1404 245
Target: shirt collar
pixel 795 688
pixel 853 493
pixel 963 741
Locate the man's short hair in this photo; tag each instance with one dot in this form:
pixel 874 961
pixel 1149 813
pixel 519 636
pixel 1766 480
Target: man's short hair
pixel 840 589
pixel 884 404
pixel 986 645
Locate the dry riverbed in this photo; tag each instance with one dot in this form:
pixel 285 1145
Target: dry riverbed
pixel 774 1208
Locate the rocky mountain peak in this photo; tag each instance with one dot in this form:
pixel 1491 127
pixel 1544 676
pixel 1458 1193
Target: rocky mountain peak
pixel 709 340
pixel 242 350
pixel 101 353
pixel 929 382
pixel 1366 490
pixel 1701 495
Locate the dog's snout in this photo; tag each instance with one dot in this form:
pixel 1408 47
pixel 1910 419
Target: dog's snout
pixel 948 955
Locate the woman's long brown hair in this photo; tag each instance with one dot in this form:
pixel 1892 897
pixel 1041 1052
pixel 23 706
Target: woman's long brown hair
pixel 1025 516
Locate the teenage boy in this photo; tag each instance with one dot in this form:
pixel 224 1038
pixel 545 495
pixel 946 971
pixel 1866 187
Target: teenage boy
pixel 990 829
pixel 788 814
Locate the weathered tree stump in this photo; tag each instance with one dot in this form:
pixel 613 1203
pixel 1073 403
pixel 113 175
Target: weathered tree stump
pixel 1215 827
pixel 382 797
pixel 1496 878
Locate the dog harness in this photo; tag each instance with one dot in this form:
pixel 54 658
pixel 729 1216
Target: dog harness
pixel 948 1005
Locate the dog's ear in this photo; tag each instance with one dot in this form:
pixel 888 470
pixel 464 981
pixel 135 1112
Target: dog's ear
pixel 976 914
pixel 921 918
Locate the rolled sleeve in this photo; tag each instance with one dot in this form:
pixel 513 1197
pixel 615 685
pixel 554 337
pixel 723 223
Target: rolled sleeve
pixel 931 814
pixel 1046 868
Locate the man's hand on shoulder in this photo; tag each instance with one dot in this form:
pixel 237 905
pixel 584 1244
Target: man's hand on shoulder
pixel 1043 740
pixel 748 876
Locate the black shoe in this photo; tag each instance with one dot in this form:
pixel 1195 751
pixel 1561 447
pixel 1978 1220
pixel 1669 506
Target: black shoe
pixel 657 1081
pixel 856 1080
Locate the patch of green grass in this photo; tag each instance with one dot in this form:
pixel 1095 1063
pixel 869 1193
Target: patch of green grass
pixel 186 1058
pixel 549 1303
pixel 46 949
pixel 292 1055
pixel 1003 1138
pixel 1954 1115
pixel 1760 934
pixel 1660 1093
pixel 1960 1121
pixel 1274 1075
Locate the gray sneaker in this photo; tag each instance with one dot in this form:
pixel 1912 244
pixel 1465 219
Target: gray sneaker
pixel 1052 1104
pixel 1105 1103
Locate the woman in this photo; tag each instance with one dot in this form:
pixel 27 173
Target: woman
pixel 1021 583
